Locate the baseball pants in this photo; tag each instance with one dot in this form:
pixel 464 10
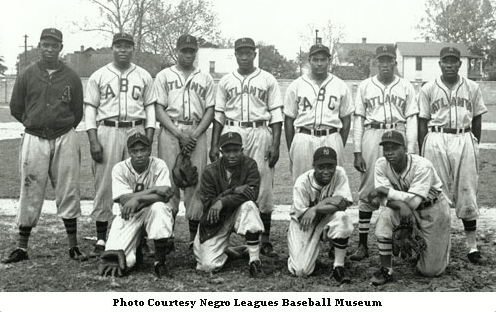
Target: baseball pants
pixel 114 143
pixel 303 147
pixel 304 246
pixel 371 151
pixel 256 143
pixel 58 159
pixel 210 254
pixel 168 149
pixel 158 221
pixel 455 158
pixel 434 224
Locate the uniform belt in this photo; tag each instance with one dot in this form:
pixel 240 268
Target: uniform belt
pixel 246 124
pixel 314 132
pixel 381 126
pixel 427 203
pixel 450 130
pixel 193 122
pixel 122 124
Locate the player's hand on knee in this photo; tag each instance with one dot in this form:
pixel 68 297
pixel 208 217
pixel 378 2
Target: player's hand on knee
pixel 359 163
pixel 306 220
pixel 96 151
pixel 214 212
pixel 214 153
pixel 129 208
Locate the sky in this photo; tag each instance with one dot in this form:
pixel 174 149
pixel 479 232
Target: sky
pixel 277 22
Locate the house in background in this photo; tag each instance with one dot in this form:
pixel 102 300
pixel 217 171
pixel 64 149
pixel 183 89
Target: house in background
pixel 218 62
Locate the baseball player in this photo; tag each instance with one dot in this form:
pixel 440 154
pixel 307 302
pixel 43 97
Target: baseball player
pixel 185 109
pixel 320 197
pixel 385 101
pixel 48 100
pixel 410 189
pixel 229 188
pixel 248 101
pixel 317 110
pixel 119 100
pixel 141 186
pixel 451 109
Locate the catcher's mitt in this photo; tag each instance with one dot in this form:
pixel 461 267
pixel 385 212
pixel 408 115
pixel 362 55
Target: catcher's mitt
pixel 184 173
pixel 406 240
pixel 112 263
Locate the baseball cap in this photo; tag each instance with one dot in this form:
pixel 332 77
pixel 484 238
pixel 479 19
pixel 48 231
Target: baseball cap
pixel 316 48
pixel 123 37
pixel 52 33
pixel 392 136
pixel 137 137
pixel 186 41
pixel 325 155
pixel 244 43
pixel 449 51
pixel 230 138
pixel 385 50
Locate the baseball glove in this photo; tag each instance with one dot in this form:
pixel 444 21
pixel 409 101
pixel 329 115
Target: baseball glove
pixel 112 263
pixel 406 240
pixel 184 173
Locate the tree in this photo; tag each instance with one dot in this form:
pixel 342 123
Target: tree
pixel 361 60
pixel 276 64
pixel 331 33
pixel 24 59
pixel 3 68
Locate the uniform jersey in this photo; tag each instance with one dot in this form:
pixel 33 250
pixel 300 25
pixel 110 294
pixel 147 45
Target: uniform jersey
pixel 255 97
pixel 184 99
pixel 318 107
pixel 419 177
pixel 121 96
pixel 125 178
pixel 451 108
pixel 390 104
pixel 306 191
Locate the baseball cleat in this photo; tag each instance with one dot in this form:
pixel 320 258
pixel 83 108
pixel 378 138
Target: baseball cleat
pixel 76 254
pixel 255 268
pixel 475 257
pixel 381 277
pixel 268 250
pixel 16 256
pixel 339 274
pixel 361 253
pixel 97 252
pixel 161 270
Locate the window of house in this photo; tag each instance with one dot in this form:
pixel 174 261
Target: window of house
pixel 418 63
pixel 212 67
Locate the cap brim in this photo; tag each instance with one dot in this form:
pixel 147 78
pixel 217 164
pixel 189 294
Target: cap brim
pixel 245 46
pixel 320 51
pixel 325 161
pixel 51 36
pixel 231 143
pixel 450 54
pixel 138 141
pixel 385 54
pixel 187 46
pixel 123 39
pixel 391 141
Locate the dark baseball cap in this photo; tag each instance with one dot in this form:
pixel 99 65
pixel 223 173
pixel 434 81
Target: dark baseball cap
pixel 385 50
pixel 316 48
pixel 449 51
pixel 186 41
pixel 230 138
pixel 392 136
pixel 137 137
pixel 244 43
pixel 325 155
pixel 122 37
pixel 52 33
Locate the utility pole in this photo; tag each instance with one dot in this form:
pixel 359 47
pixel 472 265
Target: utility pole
pixel 25 52
pixel 316 36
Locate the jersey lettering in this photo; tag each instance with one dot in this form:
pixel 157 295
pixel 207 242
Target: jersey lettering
pixel 199 89
pixel 136 92
pixel 306 103
pixel 109 93
pixel 332 102
pixel 124 85
pixel 66 94
pixel 254 91
pixel 174 85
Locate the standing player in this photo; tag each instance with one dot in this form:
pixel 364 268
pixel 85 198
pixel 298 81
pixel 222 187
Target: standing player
pixel 119 101
pixel 48 100
pixel 229 188
pixel 141 186
pixel 185 109
pixel 412 191
pixel 384 101
pixel 320 197
pixel 248 102
pixel 451 109
pixel 318 108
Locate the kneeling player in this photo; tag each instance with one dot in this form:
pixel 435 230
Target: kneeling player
pixel 410 188
pixel 141 186
pixel 229 189
pixel 320 197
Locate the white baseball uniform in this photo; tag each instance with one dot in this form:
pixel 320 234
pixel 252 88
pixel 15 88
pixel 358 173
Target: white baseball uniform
pixel 315 108
pixel 185 101
pixel 247 105
pixel 115 96
pixel 157 218
pixel 382 108
pixel 453 155
pixel 303 246
pixel 419 178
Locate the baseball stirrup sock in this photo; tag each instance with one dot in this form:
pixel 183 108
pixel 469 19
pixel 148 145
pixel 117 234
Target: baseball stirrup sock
pixel 471 234
pixel 193 228
pixel 385 246
pixel 340 245
pixel 101 230
pixel 71 229
pixel 253 241
pixel 363 226
pixel 266 220
pixel 24 232
pixel 160 249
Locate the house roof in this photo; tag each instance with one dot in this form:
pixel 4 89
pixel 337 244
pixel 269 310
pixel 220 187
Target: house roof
pixel 430 48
